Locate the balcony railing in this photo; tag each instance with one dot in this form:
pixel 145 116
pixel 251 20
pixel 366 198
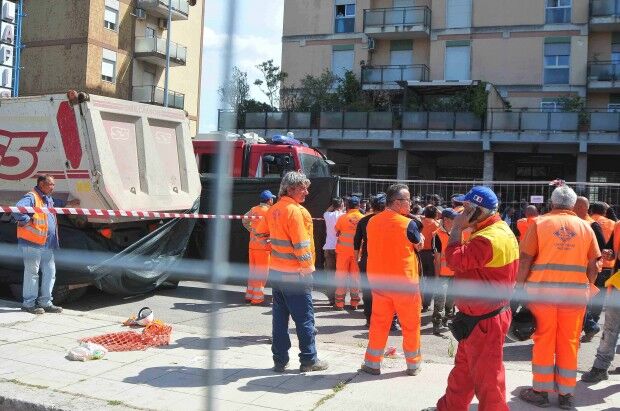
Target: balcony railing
pixel 397 16
pixel 395 73
pixel 159 8
pixel 153 49
pixel 605 8
pixel 495 121
pixel 604 71
pixel 155 95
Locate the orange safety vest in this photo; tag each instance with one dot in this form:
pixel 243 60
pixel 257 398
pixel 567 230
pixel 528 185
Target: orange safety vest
pixel 391 256
pixel 617 238
pixel 523 224
pixel 345 227
pixel 291 241
pixel 444 270
pixel 561 263
pixel 429 227
pixel 257 241
pixel 36 229
pixel 607 226
pixel 310 229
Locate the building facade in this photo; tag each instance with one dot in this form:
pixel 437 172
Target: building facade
pixel 9 22
pixel 532 54
pixel 114 48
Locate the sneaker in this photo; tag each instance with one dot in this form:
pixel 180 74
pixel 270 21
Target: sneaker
pixel 336 308
pixel 595 375
pixel 413 373
pixel 566 402
pixel 587 337
pixel 317 366
pixel 353 307
pixel 52 309
pixel 280 367
pixel 369 370
pixel 34 310
pixel 537 398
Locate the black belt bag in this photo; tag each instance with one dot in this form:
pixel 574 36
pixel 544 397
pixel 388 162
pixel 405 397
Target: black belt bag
pixel 462 325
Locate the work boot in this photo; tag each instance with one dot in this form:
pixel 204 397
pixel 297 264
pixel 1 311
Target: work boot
pixel 413 373
pixel 370 370
pixel 353 307
pixel 438 329
pixel 34 310
pixel 280 367
pixel 566 402
pixel 317 366
pixel 537 398
pixel 595 375
pixel 587 337
pixel 336 308
pixel 52 309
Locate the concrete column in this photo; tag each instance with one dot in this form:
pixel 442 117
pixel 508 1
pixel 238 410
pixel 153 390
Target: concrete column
pixel 582 167
pixel 487 168
pixel 402 168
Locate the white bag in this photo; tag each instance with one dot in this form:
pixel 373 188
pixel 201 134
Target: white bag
pixel 87 351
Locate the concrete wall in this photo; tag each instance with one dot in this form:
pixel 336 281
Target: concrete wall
pixel 599 45
pixel 508 13
pixel 597 100
pixel 521 60
pixel 121 88
pixel 298 61
pixel 309 16
pixel 45 78
pixel 578 60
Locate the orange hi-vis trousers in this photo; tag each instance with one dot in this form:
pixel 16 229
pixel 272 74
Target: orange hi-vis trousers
pixel 408 308
pixel 259 271
pixel 347 270
pixel 556 345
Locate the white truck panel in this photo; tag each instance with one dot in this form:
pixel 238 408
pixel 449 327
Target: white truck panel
pixel 109 153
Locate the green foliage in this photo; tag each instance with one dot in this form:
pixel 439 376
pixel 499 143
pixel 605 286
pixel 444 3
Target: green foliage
pixel 273 77
pixel 472 99
pixel 575 104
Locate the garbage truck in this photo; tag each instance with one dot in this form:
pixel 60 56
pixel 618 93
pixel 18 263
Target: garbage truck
pixel 106 152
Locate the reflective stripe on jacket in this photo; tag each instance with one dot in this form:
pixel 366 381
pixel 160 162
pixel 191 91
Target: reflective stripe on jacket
pixel 35 230
pixel 257 241
pixel 345 229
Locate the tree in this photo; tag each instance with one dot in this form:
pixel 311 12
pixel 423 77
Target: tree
pixel 272 79
pixel 317 93
pixel 236 92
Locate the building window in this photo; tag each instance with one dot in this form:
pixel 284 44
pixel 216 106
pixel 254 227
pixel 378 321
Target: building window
pixel 108 66
pixel 557 11
pixel 458 13
pixel 457 64
pixel 551 106
pixel 149 32
pixel 110 15
pixel 345 18
pixel 613 107
pixel 557 60
pixel 342 60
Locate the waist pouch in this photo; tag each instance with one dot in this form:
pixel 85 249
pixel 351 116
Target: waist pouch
pixel 462 325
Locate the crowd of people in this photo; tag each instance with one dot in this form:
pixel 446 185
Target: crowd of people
pixel 382 253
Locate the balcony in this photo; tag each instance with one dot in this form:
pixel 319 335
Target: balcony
pixel 153 50
pixel 605 15
pixel 155 95
pixel 387 77
pixel 603 76
pixel 159 8
pixel 398 22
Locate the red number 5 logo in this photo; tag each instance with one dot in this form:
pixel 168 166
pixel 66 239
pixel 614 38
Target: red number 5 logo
pixel 19 153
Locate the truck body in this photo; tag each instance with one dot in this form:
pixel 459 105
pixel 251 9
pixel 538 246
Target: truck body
pixel 108 153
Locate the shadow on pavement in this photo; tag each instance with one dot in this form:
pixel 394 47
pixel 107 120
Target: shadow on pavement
pixel 222 343
pixel 518 352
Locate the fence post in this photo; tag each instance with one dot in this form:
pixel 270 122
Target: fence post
pixel 519 125
pixel 454 125
pixel 288 121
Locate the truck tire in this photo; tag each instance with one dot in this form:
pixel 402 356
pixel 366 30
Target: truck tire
pixel 169 285
pixel 61 293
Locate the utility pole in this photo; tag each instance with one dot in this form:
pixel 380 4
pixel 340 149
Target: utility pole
pixel 167 74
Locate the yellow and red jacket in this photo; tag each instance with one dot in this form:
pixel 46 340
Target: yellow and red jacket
pixel 35 231
pixel 345 230
pixel 607 226
pixel 257 242
pixel 290 235
pixel 490 256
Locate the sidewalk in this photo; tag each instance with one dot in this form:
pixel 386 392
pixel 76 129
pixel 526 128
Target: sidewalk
pixel 35 375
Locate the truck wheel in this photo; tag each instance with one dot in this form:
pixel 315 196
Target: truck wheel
pixel 169 285
pixel 61 293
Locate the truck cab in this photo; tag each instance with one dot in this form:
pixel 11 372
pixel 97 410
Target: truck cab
pixel 253 157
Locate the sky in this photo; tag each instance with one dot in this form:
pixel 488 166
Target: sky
pixel 257 37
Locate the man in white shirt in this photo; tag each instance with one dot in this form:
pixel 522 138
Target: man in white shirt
pixel 332 214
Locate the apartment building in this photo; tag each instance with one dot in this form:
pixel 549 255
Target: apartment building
pixel 530 52
pixel 114 48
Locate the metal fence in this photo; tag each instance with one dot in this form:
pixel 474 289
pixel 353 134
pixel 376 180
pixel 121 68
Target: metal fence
pixel 397 16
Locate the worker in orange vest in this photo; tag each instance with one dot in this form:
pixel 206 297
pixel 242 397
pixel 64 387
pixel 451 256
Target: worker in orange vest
pixel 557 265
pixel 490 258
pixel 290 270
pixel 531 213
pixel 259 250
pixel 443 309
pixel 429 227
pixel 393 273
pixel 347 270
pixel 457 205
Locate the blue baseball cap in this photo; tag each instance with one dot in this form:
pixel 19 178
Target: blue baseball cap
pixel 266 196
pixel 481 196
pixel 354 201
pixel 449 213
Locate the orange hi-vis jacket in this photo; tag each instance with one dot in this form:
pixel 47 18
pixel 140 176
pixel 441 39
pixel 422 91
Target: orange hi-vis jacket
pixel 562 244
pixel 617 238
pixel 345 227
pixel 444 237
pixel 391 256
pixel 429 227
pixel 257 241
pixel 523 224
pixel 310 229
pixel 291 241
pixel 607 226
pixel 36 229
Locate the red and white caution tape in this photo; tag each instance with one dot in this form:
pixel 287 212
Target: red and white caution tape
pixel 95 212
